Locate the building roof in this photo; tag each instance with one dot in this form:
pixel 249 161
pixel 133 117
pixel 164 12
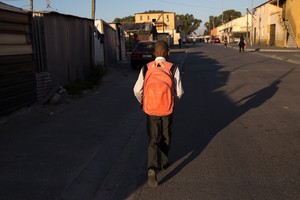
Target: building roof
pixel 153 12
pixel 274 2
pixel 45 12
pixel 4 6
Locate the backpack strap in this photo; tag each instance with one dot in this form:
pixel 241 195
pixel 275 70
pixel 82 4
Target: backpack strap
pixel 172 69
pixel 145 69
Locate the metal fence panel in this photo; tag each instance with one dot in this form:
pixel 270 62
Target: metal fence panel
pixel 65 46
pixel 17 76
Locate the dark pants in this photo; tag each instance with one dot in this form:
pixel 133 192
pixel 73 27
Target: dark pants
pixel 159 132
pixel 242 47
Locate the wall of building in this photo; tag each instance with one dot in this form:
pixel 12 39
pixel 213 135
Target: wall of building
pixel 235 28
pixel 99 53
pixel 262 23
pixel 121 49
pixel 292 15
pixel 166 22
pixel 168 18
pixel 110 46
pixel 279 29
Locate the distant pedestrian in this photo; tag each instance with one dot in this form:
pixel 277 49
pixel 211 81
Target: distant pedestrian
pixel 225 41
pixel 179 42
pixel 194 40
pixel 157 87
pixel 242 44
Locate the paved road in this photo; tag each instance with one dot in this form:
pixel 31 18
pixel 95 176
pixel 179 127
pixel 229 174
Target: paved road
pixel 236 136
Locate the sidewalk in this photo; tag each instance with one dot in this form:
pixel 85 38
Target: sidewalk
pixel 291 55
pixel 77 149
pixel 64 152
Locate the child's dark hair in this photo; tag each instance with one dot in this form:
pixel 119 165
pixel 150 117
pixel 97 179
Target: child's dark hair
pixel 161 49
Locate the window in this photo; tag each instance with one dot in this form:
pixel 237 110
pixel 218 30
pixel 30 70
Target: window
pixel 168 18
pixel 148 18
pixel 141 18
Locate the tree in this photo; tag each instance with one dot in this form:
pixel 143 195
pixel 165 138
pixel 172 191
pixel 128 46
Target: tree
pixel 206 31
pixel 188 23
pixel 212 23
pixel 125 19
pixel 229 15
pixel 215 21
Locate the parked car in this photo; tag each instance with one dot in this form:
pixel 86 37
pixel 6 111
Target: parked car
pixel 236 40
pixel 142 54
pixel 215 40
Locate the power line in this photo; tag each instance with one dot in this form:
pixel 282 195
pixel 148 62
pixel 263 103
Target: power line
pixel 49 7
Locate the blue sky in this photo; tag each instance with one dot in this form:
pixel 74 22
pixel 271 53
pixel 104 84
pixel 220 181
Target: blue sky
pixel 108 10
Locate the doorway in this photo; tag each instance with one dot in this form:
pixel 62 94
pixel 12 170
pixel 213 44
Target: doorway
pixel 272 34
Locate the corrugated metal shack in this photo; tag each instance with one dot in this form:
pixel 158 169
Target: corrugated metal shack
pixel 64 46
pixel 17 76
pixel 40 53
pixel 110 42
pixel 121 50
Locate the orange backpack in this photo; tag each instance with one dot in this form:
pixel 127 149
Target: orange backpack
pixel 159 92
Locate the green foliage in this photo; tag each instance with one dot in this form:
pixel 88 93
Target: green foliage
pixel 125 19
pixel 206 32
pixel 188 23
pixel 76 87
pixel 227 16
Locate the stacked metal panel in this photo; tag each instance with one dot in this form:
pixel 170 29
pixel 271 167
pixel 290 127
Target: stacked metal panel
pixel 17 71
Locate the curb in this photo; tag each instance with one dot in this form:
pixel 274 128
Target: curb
pixel 260 51
pixel 267 50
pixel 183 50
pixel 282 58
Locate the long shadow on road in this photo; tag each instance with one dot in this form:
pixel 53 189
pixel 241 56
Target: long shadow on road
pixel 202 114
pixel 205 111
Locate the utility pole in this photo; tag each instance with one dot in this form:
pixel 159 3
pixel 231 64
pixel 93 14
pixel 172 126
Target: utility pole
pixel 162 15
pixel 222 13
pixel 247 13
pixel 93 9
pixel 252 28
pixel 48 4
pixel 31 5
pixel 209 29
pixel 163 23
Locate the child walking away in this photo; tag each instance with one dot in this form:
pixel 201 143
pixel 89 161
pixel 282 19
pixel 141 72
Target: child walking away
pixel 157 87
